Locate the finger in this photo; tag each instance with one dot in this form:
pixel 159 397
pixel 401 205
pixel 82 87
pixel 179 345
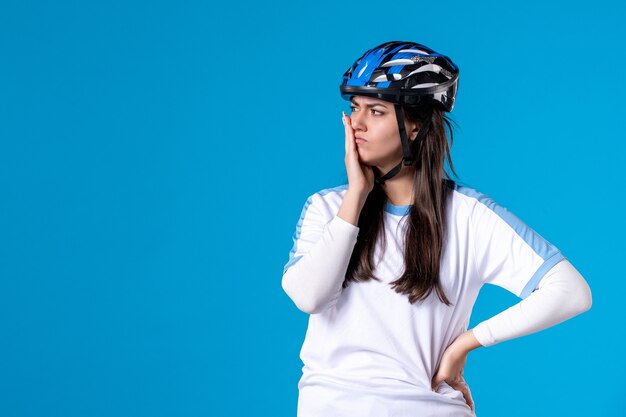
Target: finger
pixel 464 388
pixel 470 401
pixel 435 383
pixel 343 120
pixel 350 145
pixel 369 172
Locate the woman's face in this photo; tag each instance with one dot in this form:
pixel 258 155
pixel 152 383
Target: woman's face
pixel 375 121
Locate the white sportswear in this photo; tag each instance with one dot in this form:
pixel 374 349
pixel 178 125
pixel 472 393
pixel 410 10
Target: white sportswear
pixel 367 350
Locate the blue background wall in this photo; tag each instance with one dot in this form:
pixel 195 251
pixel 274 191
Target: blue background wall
pixel 155 156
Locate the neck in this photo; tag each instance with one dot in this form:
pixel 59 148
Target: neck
pixel 399 189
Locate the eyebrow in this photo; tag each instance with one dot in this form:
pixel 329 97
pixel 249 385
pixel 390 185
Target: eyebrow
pixel 368 105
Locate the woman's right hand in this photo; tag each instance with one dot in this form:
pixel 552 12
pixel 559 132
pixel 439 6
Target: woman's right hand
pixel 360 175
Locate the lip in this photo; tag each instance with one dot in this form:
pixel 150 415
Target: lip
pixel 359 140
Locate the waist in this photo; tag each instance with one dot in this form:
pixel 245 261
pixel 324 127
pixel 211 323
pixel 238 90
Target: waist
pixel 335 395
pixel 401 386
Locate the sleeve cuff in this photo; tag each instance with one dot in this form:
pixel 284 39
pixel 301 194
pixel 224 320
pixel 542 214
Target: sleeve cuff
pixel 483 335
pixel 531 285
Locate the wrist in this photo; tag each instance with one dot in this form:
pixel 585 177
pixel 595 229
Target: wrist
pixel 356 199
pixel 467 342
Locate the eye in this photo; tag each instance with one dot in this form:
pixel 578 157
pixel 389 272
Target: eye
pixel 374 111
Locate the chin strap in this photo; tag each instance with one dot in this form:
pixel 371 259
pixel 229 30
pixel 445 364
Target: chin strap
pixel 407 158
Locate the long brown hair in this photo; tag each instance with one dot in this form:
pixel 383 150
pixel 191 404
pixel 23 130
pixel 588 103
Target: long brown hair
pixel 426 222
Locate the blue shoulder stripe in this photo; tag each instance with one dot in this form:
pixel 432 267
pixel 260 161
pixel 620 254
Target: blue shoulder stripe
pixel 293 259
pixel 548 252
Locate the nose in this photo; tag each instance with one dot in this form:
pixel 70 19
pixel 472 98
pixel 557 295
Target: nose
pixel 357 120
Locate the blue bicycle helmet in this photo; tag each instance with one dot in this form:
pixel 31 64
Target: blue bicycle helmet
pixel 406 74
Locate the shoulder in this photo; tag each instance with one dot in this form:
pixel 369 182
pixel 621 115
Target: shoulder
pixel 475 206
pixel 329 196
pixel 326 201
pixel 338 190
pixel 474 199
pixel 486 213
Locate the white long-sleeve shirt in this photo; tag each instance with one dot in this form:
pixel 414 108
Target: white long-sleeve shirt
pixel 366 344
pixel 560 295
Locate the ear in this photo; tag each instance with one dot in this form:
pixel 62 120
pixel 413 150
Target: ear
pixel 412 130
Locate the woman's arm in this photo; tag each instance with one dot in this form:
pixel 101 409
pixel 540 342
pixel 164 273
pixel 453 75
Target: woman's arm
pixel 314 282
pixel 562 294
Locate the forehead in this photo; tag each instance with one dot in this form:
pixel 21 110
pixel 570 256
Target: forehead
pixel 367 100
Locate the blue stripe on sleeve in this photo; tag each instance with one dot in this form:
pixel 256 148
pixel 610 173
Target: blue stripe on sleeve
pixel 296 236
pixel 548 252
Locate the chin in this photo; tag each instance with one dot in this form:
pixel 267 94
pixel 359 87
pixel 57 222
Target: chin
pixel 371 161
pixel 368 161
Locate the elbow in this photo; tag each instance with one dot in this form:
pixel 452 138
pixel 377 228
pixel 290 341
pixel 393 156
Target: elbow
pixel 301 303
pixel 585 296
pixel 585 291
pixel 304 306
pixel 580 292
pixel 584 299
pixel 309 298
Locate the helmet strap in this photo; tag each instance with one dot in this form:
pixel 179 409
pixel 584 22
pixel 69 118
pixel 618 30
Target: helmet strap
pixel 407 158
pixel 406 149
pixel 390 174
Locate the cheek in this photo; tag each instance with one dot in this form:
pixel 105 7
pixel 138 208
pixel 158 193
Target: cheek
pixel 383 136
pixel 388 139
pixel 381 127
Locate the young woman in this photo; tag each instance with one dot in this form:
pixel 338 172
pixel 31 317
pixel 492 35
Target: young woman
pixel 390 264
